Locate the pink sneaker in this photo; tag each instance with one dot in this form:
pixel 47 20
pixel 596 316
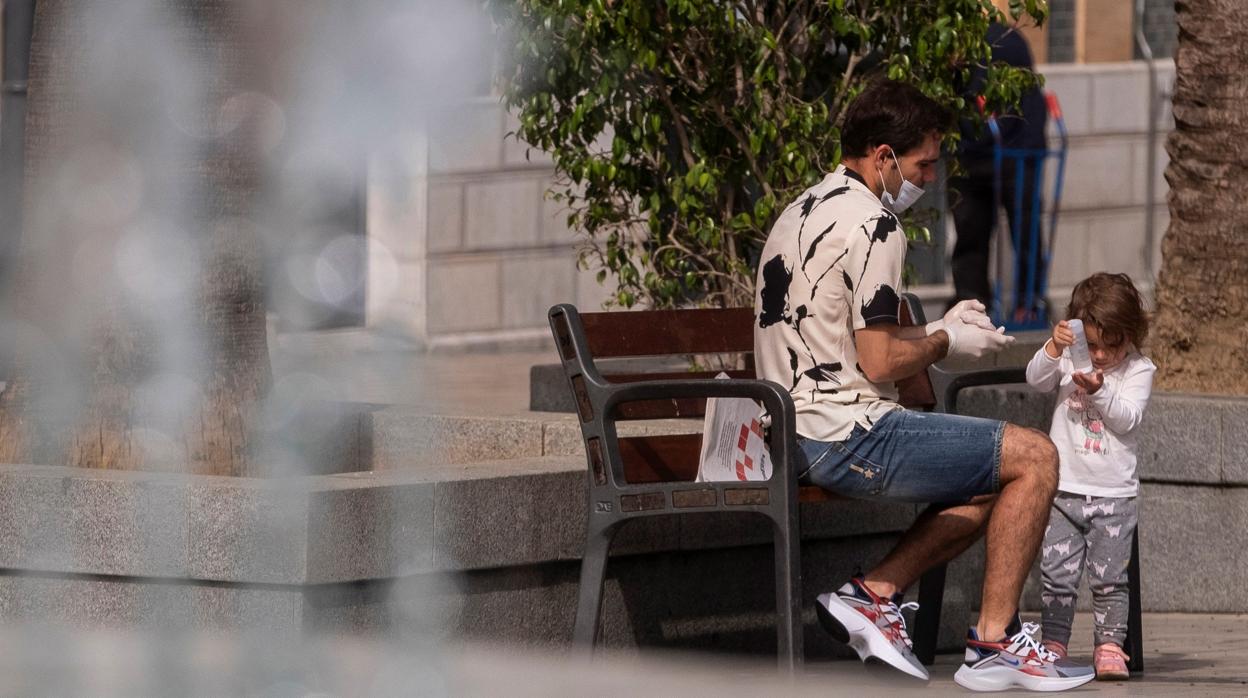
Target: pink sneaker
pixel 1111 663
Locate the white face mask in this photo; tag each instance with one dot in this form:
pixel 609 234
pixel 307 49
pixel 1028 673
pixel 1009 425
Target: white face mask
pixel 906 196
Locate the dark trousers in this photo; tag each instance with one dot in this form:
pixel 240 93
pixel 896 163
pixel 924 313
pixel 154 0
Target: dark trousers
pixel 974 213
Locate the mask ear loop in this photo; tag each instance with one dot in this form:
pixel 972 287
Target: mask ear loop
pixel 897 162
pixel 883 182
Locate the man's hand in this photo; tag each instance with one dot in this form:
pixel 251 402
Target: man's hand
pixel 1062 338
pixel 968 312
pixel 975 341
pixel 1090 382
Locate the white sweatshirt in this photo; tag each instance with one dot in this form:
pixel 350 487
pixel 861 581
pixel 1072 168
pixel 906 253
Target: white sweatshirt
pixel 1096 434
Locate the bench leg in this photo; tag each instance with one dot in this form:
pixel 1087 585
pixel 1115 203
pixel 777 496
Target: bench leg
pixel 1135 620
pixel 927 620
pixel 788 598
pixel 589 593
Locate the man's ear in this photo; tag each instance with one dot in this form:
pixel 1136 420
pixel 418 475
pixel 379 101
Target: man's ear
pixel 881 156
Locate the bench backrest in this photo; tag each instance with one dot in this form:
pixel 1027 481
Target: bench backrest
pixel 661 458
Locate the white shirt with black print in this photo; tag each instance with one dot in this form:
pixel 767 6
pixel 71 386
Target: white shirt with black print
pixel 1096 434
pixel 831 265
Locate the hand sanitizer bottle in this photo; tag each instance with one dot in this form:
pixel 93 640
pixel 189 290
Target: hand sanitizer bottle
pixel 1079 350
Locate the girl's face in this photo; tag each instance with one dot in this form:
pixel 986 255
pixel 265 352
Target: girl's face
pixel 1104 357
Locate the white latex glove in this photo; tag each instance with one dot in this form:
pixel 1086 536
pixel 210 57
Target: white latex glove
pixel 975 341
pixel 968 312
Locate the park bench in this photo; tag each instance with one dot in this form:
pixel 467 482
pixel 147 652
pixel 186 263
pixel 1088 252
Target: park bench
pixel 642 476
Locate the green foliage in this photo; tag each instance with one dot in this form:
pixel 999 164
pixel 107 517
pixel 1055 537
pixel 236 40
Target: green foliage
pixel 679 128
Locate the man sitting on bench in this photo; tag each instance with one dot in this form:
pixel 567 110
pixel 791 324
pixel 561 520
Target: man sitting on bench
pixel 828 330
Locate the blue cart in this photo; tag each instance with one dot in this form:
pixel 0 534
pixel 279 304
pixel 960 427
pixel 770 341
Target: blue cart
pixel 1027 307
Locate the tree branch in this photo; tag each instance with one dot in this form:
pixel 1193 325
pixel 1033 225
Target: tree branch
pixel 685 149
pixel 744 143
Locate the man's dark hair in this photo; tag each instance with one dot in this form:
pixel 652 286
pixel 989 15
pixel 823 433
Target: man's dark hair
pixel 892 113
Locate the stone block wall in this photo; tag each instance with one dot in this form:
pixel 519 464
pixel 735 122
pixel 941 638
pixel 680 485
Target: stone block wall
pixel 1102 216
pixel 489 549
pixel 500 253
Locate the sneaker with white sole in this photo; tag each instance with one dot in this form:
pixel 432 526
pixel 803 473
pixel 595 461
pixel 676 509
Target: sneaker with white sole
pixel 1017 661
pixel 871 625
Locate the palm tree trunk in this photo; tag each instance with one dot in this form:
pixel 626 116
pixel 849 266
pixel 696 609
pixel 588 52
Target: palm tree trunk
pixel 1201 332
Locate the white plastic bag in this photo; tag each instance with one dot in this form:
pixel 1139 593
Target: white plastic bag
pixel 733 449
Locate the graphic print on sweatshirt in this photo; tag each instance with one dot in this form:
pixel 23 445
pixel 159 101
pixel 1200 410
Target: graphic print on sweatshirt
pixel 1091 420
pixel 831 265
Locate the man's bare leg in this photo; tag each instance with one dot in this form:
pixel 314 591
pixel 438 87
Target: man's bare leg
pixel 1016 528
pixel 1014 519
pixel 936 537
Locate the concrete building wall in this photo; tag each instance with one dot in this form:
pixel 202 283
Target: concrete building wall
pixel 1101 225
pixel 496 250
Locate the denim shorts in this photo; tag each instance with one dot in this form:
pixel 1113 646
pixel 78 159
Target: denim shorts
pixel 909 456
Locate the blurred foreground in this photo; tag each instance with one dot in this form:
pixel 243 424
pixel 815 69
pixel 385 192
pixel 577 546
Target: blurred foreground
pixel 1187 654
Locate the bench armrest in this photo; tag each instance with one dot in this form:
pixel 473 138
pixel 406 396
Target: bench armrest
pixel 948 384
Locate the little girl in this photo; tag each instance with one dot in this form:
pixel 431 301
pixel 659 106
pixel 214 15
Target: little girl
pixel 1092 522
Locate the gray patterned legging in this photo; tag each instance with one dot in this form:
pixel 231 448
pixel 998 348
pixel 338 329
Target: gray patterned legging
pixel 1091 532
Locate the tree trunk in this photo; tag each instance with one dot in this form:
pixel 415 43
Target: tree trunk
pixel 138 310
pixel 1201 333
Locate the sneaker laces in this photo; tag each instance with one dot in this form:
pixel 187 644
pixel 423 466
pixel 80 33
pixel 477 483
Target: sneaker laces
pixel 892 614
pixel 1057 648
pixel 1024 643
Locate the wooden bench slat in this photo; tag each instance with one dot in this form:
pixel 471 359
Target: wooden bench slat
pixel 661 409
pixel 660 458
pixel 810 494
pixel 664 332
pixel 667 409
pixel 677 375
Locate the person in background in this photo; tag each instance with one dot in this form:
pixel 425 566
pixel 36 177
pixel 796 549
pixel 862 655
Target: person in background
pixel 974 202
pixel 1092 522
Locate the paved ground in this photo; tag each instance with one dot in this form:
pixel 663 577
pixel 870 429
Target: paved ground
pixel 1189 655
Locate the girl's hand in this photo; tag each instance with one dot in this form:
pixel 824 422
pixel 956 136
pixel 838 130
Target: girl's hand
pixel 1062 338
pixel 1090 382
